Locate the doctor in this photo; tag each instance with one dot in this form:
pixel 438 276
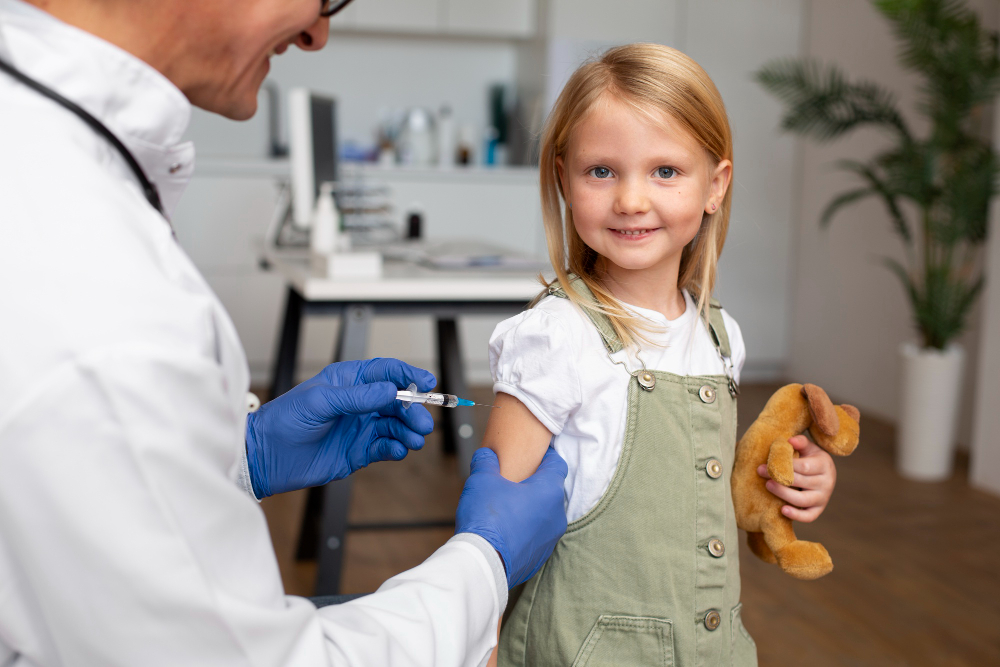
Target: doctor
pixel 129 532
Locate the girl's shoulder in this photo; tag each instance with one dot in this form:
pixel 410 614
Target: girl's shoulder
pixel 552 317
pixel 535 357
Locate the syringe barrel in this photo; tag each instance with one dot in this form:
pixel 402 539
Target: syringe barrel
pixel 444 400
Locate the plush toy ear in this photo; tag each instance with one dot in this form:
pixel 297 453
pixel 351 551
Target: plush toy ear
pixel 852 412
pixel 821 409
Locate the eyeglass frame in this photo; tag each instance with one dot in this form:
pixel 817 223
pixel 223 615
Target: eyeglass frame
pixel 326 12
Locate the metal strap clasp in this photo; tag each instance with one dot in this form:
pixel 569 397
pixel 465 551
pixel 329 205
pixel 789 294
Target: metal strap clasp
pixel 727 363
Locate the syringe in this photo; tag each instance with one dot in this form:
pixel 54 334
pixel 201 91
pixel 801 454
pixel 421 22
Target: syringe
pixel 410 395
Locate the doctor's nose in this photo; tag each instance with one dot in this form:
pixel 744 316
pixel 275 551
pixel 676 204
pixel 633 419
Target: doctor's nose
pixel 314 37
pixel 631 199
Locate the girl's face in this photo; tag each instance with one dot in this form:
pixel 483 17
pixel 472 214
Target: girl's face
pixel 638 189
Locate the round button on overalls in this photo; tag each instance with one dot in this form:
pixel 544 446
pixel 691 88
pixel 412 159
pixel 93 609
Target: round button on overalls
pixel 707 394
pixel 646 380
pixel 712 620
pixel 714 468
pixel 716 547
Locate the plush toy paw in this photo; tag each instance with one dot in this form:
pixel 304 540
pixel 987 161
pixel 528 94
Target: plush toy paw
pixel 779 462
pixel 805 560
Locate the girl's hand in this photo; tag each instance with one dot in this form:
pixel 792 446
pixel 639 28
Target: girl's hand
pixel 815 477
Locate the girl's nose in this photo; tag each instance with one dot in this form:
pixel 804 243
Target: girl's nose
pixel 631 198
pixel 314 37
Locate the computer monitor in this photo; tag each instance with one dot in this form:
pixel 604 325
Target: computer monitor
pixel 312 149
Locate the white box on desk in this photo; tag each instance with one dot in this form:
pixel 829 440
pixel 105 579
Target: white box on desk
pixel 362 265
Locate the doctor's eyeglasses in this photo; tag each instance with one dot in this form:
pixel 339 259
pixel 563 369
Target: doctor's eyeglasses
pixel 328 8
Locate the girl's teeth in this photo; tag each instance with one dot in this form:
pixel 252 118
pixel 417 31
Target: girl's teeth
pixel 633 232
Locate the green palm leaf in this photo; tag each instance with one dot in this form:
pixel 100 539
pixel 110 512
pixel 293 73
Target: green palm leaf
pixel 950 176
pixel 823 103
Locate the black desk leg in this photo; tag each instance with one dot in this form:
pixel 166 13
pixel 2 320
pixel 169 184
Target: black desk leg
pixel 336 499
pixel 456 424
pixel 352 344
pixel 283 377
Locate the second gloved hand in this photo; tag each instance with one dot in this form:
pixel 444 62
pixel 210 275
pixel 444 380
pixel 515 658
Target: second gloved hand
pixel 521 520
pixel 335 423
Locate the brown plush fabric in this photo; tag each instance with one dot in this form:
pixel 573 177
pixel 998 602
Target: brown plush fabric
pixel 792 410
pixel 821 408
pixel 854 413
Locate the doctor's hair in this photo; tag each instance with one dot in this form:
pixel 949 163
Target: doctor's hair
pixel 660 83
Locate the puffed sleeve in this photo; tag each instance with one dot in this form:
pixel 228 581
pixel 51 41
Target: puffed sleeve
pixel 532 358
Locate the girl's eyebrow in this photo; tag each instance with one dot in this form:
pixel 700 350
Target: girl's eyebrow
pixel 682 158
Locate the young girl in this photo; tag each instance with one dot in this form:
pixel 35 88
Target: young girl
pixel 630 369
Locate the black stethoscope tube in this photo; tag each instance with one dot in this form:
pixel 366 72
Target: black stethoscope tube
pixel 148 189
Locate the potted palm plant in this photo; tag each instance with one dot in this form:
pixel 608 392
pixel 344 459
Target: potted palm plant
pixel 947 176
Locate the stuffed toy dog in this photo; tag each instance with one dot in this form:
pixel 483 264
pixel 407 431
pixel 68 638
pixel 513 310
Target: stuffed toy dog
pixel 792 410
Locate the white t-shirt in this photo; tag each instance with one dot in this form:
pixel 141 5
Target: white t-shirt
pixel 553 360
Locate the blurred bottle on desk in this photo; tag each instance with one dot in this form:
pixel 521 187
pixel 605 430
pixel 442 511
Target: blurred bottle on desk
pixel 446 153
pixel 416 143
pixel 467 145
pixel 326 236
pixel 496 134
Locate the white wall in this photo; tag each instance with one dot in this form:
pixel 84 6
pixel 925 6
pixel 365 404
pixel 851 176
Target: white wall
pixel 850 313
pixel 985 454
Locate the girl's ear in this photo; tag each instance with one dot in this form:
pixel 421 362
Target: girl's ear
pixel 721 177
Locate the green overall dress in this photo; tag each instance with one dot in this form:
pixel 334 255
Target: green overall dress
pixel 650 575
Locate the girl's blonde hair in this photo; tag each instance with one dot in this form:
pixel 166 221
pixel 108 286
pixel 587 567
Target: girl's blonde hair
pixel 655 80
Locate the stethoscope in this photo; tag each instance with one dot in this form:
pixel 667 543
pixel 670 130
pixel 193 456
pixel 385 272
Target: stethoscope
pixel 148 189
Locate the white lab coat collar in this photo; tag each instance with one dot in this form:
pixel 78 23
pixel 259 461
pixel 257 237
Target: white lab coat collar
pixel 147 112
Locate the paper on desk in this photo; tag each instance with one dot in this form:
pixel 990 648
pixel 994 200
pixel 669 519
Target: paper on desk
pixel 487 261
pixel 467 255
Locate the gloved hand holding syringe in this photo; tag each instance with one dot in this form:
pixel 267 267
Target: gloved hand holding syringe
pixel 410 395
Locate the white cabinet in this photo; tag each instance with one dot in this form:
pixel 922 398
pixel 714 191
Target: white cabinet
pixel 510 19
pixel 513 18
pixel 399 15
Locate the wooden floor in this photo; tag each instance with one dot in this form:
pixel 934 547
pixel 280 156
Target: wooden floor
pixel 917 565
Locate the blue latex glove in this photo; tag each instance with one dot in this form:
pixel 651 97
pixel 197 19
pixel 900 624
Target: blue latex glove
pixel 334 424
pixel 521 520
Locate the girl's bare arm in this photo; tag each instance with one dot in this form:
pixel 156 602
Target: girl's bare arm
pixel 520 441
pixel 518 438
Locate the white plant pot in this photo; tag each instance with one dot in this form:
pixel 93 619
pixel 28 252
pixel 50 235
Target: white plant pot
pixel 928 418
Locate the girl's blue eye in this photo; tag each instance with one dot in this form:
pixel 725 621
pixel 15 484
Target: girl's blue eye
pixel 665 172
pixel 600 172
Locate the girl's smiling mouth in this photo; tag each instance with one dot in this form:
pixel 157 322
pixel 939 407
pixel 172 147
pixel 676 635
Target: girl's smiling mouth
pixel 632 233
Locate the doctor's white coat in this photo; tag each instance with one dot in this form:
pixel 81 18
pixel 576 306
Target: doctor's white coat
pixel 127 532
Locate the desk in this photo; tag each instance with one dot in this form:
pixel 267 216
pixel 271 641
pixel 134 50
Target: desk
pixel 404 289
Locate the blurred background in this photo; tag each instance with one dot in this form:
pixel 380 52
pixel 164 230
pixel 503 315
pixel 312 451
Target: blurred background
pixel 438 103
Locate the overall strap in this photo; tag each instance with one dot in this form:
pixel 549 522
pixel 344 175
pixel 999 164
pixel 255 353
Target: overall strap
pixel 600 320
pixel 717 328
